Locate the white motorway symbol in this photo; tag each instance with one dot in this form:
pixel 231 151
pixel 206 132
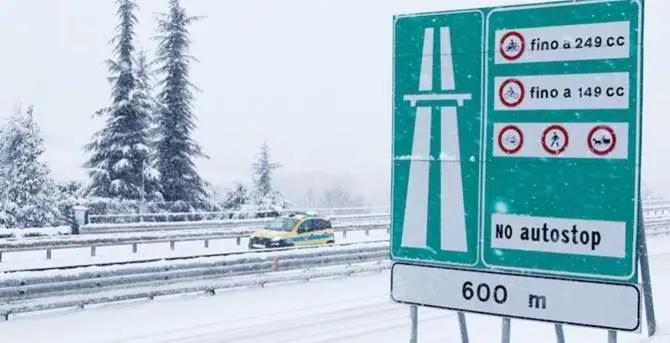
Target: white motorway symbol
pixel 452 224
pixel 599 140
pixel 608 40
pixel 595 304
pixel 562 92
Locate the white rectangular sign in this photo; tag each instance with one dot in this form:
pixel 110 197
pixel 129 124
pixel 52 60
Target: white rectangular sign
pixel 562 92
pixel 558 235
pixel 601 140
pixel 594 304
pixel 563 43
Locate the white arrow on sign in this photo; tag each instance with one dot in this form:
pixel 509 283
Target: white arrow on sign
pixel 452 221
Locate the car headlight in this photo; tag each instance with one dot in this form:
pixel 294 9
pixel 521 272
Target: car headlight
pixel 276 239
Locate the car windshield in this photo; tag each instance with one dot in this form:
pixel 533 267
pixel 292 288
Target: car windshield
pixel 281 224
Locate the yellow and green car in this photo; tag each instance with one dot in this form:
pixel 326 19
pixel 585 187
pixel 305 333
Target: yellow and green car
pixel 294 229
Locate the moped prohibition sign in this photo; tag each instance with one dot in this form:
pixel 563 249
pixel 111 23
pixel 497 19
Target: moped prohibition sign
pixel 510 139
pixel 512 45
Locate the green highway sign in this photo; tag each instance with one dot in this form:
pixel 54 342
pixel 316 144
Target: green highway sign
pixel 437 122
pixel 516 151
pixel 561 182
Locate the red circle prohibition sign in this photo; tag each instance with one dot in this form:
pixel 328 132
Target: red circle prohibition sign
pixel 590 140
pixel 522 45
pixel 501 92
pixel 544 138
pixel 502 133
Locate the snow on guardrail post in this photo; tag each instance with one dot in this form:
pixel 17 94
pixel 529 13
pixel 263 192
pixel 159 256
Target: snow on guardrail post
pixel 275 264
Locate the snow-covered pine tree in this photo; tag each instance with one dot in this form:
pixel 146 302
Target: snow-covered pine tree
pixel 27 191
pixel 263 169
pixel 121 148
pixel 69 189
pixel 143 100
pixel 263 195
pixel 176 149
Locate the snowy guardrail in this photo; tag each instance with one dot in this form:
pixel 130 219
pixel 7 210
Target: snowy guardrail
pixel 81 285
pixel 135 239
pixel 212 224
pixel 25 291
pixel 653 226
pixel 651 211
pixel 650 207
pixel 226 214
pixel 34 232
pixel 657 226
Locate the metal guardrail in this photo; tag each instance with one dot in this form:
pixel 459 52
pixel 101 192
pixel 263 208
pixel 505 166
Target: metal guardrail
pixel 166 216
pixel 51 288
pixel 653 226
pixel 207 287
pixel 650 210
pixel 210 224
pixel 33 291
pixel 95 241
pixel 653 205
pixel 186 257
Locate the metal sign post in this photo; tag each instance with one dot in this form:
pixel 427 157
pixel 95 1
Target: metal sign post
pixel 645 275
pixel 463 327
pixel 560 336
pixel 414 324
pixel 506 330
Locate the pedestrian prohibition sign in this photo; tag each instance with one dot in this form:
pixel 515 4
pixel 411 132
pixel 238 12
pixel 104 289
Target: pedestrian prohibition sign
pixel 503 122
pixel 555 139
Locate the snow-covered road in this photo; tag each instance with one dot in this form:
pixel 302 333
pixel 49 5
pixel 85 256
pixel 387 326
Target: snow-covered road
pixel 355 309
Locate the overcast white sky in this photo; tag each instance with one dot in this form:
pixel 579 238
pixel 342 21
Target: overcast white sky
pixel 310 77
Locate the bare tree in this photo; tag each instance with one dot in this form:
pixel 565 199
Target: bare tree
pixel 337 196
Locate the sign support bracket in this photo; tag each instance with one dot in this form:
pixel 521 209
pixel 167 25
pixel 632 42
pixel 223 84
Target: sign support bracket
pixel 560 335
pixel 464 328
pixel 611 336
pixel 645 274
